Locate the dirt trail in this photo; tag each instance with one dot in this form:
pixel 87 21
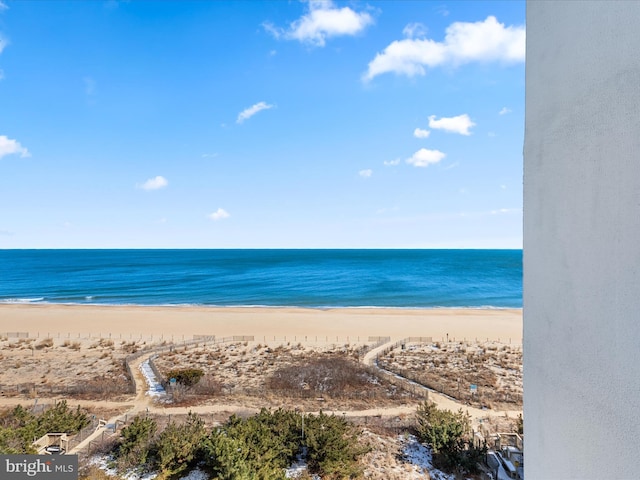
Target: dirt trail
pixel 140 403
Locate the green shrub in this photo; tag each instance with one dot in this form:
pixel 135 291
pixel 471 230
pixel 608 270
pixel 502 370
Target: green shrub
pixel 61 419
pixel 262 446
pixel 186 376
pixel 332 447
pixel 259 448
pixel 178 446
pixel 449 436
pixel 135 442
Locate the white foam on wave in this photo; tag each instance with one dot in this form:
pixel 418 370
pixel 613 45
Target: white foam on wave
pixel 22 300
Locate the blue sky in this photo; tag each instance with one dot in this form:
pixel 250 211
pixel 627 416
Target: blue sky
pixel 283 124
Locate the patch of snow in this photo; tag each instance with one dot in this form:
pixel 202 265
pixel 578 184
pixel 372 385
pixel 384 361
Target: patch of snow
pixel 196 474
pixel 155 388
pixel 420 456
pixel 298 468
pixel 133 475
pixel 102 462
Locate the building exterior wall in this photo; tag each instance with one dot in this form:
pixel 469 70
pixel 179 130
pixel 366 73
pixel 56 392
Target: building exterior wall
pixel 582 240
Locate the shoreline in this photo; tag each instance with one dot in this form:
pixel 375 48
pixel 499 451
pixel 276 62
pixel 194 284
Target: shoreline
pixel 39 302
pixel 98 320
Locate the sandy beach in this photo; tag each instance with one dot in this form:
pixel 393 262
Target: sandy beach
pixel 184 322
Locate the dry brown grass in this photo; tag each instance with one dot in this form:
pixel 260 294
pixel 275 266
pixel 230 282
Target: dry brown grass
pixel 45 343
pixel 81 368
pixel 450 368
pixel 318 377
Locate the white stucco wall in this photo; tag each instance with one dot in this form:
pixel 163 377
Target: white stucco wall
pixel 582 240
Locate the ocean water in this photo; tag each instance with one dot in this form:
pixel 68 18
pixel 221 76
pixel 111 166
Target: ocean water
pixel 302 278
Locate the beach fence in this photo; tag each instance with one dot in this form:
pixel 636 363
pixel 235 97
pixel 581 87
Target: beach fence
pixel 32 390
pixel 17 334
pixel 322 339
pixel 137 337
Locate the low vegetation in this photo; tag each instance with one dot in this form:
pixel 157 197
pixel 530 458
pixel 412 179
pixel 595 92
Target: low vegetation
pixel 135 442
pixel 256 448
pixel 452 367
pixel 329 375
pixel 45 343
pixel 263 446
pixel 82 368
pixel 450 438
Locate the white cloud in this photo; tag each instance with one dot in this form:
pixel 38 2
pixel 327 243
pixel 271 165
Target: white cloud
pixel 11 147
pixel 3 6
pixel 504 111
pixel 154 183
pixel 464 42
pixel 273 30
pixel 414 30
pixel 209 155
pixel 460 124
pixel 252 110
pixel 424 157
pixel 365 173
pixel 421 133
pixel 219 214
pixel 391 163
pixel 322 21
